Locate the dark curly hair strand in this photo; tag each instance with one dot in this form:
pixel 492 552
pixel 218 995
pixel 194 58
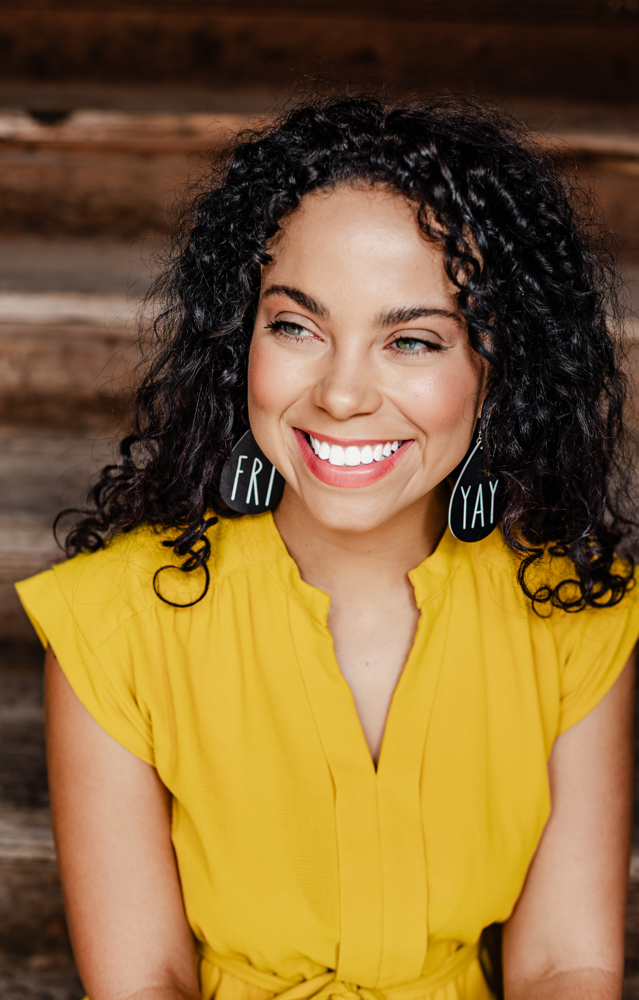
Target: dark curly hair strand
pixel 535 283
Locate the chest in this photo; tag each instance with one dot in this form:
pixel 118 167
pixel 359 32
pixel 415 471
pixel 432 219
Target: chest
pixel 372 641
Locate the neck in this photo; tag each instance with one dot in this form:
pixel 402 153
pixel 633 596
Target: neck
pixel 372 561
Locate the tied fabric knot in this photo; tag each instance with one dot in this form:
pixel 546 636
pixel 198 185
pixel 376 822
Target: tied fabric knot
pixel 348 991
pixel 327 987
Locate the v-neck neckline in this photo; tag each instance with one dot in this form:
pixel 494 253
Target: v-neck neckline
pixel 428 578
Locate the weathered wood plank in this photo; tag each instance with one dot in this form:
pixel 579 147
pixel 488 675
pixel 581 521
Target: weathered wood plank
pixel 482 11
pixel 524 49
pixel 66 357
pixel 116 131
pixel 126 174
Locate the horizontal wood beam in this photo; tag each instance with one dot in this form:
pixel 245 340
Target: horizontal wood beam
pixel 540 12
pixel 160 134
pixel 122 174
pixel 587 53
pixel 118 132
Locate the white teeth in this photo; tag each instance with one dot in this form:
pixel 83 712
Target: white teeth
pixel 352 455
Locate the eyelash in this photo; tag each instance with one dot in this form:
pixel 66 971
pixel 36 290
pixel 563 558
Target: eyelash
pixel 278 327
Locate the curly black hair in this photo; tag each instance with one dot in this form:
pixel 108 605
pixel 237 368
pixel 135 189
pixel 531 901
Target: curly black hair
pixel 536 284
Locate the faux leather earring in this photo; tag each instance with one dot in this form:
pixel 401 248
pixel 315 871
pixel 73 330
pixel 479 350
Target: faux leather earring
pixel 475 503
pixel 250 484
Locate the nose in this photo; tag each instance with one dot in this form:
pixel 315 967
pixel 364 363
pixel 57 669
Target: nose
pixel 348 387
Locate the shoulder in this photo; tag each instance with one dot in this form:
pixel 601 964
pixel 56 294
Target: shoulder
pixel 491 568
pixel 581 653
pixel 495 562
pixel 103 590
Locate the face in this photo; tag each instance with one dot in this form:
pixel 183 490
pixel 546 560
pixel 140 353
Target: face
pixel 363 387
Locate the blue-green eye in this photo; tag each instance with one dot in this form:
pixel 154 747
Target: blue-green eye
pixel 411 345
pixel 289 329
pixel 408 344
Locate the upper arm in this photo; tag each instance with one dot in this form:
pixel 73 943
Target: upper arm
pixel 111 821
pixel 571 912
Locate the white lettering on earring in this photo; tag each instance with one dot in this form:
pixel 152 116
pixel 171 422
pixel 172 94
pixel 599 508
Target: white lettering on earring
pixel 479 507
pixel 465 496
pixel 493 490
pixel 238 471
pixel 255 471
pixel 270 487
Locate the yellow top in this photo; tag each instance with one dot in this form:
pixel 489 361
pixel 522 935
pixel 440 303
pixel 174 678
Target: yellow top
pixel 304 870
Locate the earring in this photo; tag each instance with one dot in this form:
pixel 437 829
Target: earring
pixel 475 504
pixel 250 484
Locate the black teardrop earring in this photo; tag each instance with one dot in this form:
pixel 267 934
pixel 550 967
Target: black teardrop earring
pixel 475 503
pixel 250 484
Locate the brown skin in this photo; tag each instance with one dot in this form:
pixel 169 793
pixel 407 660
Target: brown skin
pixel 345 373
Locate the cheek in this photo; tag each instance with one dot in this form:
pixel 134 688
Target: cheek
pixel 260 380
pixel 278 378
pixel 444 399
pixel 267 384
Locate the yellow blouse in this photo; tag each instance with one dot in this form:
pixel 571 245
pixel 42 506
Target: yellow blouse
pixel 305 871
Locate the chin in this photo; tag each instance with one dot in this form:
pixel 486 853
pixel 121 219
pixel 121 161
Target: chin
pixel 350 514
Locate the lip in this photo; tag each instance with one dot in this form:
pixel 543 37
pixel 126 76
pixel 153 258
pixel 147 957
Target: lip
pixel 353 477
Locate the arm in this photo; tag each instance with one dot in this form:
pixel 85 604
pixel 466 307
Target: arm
pixel 565 938
pixel 111 821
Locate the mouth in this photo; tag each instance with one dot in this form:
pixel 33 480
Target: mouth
pixel 349 463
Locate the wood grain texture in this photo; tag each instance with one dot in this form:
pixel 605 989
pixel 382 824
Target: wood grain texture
pixel 548 50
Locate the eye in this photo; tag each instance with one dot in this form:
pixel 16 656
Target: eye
pixel 293 330
pixel 411 345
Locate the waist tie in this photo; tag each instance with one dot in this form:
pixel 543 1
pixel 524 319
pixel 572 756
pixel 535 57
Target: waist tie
pixel 326 987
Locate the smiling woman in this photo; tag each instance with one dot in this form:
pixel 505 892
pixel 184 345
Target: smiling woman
pixel 326 749
pixel 380 356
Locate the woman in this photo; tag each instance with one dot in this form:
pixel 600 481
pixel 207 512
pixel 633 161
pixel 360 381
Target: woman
pixel 315 751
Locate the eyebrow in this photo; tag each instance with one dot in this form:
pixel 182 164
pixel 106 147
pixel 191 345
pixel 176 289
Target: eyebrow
pixel 404 314
pixel 302 299
pixel 388 317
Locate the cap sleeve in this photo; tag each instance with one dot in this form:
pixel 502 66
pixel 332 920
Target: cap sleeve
pixel 594 646
pixel 88 610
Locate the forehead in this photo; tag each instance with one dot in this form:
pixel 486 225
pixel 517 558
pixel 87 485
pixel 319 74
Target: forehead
pixel 358 240
pixel 349 207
